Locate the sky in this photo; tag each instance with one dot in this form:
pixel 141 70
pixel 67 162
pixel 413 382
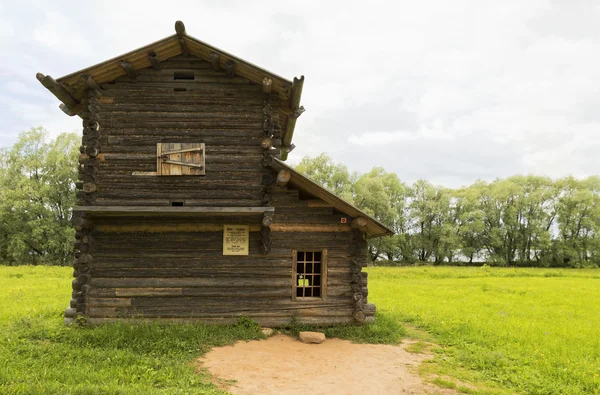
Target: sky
pixel 447 91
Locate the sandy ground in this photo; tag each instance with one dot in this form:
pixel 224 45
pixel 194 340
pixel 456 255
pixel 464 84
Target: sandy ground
pixel 283 365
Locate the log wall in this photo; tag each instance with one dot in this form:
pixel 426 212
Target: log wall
pixel 174 268
pixel 225 113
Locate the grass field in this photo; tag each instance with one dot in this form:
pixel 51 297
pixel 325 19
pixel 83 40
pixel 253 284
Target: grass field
pixel 500 331
pixel 531 331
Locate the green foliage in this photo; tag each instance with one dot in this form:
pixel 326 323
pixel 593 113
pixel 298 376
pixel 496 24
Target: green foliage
pixel 37 194
pixel 519 221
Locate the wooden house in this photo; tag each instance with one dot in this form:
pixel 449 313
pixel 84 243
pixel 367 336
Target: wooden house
pixel 186 209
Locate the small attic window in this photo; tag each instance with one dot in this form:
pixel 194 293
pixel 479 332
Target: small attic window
pixel 176 204
pixel 179 89
pixel 183 75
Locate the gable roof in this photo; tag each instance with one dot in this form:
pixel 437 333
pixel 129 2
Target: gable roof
pixel 373 228
pixel 70 89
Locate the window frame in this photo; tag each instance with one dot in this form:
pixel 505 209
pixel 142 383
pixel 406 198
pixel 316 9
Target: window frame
pixel 324 260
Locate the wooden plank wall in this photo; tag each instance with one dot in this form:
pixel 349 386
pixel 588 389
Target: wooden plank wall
pixel 224 113
pixel 173 268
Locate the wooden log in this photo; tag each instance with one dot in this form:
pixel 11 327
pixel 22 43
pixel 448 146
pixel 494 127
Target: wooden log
pixel 67 110
pixel 81 223
pixel 358 296
pixel 76 285
pixel 294 103
pixel 88 187
pixel 266 143
pixel 359 316
pixel 283 177
pixel 128 70
pixel 73 303
pixel 214 59
pixel 179 29
pixel 370 309
pixel 57 90
pixel 267 85
pixel 359 223
pixel 297 85
pixel 183 45
pixel 92 151
pixel 94 96
pixel 89 169
pixel 230 68
pixel 268 179
pixel 70 312
pixel 90 83
pixel 267 220
pixel 154 60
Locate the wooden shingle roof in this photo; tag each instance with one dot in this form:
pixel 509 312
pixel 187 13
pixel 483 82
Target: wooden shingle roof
pixel 373 227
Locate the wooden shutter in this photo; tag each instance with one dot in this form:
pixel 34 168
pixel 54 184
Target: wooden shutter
pixel 179 159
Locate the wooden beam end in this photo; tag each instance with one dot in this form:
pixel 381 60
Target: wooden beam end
pixel 179 28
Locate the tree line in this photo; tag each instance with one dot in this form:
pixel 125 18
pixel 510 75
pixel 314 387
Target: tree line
pixel 517 221
pixel 37 195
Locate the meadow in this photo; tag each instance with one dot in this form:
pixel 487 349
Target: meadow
pixel 498 331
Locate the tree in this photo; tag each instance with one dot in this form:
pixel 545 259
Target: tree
pixel 330 175
pixel 37 180
pixel 383 196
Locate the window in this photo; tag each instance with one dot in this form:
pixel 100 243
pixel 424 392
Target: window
pixel 183 75
pixel 180 159
pixel 309 275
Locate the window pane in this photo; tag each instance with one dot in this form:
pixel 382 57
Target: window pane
pixel 316 280
pixel 309 267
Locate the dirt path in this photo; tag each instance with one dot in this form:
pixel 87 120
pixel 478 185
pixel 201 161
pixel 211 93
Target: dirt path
pixel 283 365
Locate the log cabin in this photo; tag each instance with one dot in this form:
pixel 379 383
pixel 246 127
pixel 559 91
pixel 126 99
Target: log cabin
pixel 186 209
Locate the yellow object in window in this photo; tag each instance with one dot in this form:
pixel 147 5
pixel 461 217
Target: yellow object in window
pixel 303 282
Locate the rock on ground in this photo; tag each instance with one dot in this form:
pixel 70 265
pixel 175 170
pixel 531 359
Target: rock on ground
pixel 312 337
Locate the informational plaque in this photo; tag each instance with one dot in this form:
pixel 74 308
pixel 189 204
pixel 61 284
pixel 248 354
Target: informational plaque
pixel 235 239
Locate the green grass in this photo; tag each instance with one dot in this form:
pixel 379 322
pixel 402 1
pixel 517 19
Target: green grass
pixel 534 331
pixel 38 354
pixel 501 331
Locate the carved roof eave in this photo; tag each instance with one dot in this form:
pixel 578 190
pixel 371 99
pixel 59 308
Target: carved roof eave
pixel 374 228
pixel 70 89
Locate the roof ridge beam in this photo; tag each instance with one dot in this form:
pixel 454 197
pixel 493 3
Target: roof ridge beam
pixel 180 30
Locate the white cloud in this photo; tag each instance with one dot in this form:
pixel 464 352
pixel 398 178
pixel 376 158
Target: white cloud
pixel 447 91
pixel 60 35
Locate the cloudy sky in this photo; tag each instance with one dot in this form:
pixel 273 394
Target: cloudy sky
pixel 449 91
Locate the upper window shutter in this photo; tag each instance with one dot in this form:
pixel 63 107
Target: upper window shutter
pixel 179 159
